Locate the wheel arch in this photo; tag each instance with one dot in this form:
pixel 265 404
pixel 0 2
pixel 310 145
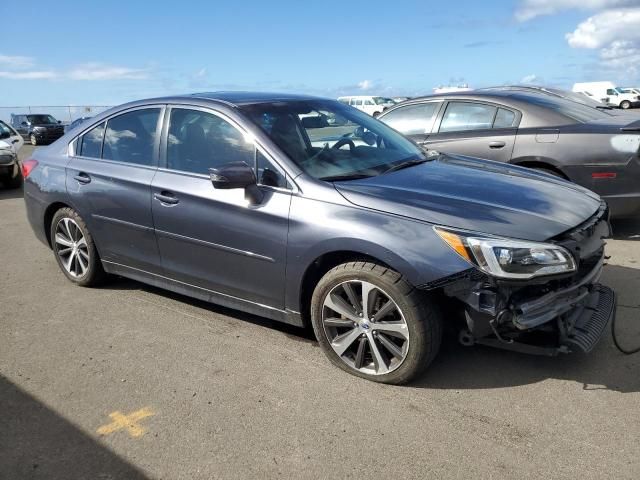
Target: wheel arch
pixel 540 162
pixel 48 218
pixel 330 258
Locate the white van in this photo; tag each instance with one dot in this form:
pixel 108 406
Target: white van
pixel 602 90
pixel 372 105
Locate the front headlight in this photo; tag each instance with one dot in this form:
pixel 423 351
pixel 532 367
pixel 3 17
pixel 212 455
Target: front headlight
pixel 506 258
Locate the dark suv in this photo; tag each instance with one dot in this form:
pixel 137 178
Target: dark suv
pixel 38 128
pixel 257 202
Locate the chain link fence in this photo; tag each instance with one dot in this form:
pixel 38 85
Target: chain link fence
pixel 64 113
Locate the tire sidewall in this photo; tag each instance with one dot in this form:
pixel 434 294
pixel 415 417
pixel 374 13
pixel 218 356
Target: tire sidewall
pixel 418 353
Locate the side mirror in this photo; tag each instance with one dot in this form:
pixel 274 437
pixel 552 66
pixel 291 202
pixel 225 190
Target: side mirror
pixel 24 124
pixel 59 121
pixel 237 175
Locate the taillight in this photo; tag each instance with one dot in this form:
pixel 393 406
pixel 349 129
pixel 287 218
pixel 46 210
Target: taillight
pixel 28 166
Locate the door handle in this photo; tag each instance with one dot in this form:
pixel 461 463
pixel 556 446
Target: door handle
pixel 498 144
pixel 82 177
pixel 17 140
pixel 166 198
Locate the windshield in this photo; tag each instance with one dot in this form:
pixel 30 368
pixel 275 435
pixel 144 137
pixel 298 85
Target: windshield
pixel 5 131
pixel 41 119
pixel 332 141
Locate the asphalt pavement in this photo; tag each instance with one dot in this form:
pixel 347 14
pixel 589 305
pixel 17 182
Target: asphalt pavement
pixel 131 382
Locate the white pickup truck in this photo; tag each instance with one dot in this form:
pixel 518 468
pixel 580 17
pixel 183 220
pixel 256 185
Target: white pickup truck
pixel 616 96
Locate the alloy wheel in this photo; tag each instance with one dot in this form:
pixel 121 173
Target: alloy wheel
pixel 365 327
pixel 34 140
pixel 71 247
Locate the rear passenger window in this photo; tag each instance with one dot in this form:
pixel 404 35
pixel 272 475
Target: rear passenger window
pixel 91 142
pixel 461 116
pixel 199 141
pixel 504 118
pixel 130 137
pixel 412 119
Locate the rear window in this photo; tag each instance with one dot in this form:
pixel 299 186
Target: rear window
pixel 571 110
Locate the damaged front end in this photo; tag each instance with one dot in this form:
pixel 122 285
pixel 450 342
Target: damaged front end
pixel 546 314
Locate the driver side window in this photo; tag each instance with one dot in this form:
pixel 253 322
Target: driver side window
pixel 198 141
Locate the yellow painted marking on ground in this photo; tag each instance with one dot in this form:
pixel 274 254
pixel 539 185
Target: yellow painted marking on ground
pixel 126 422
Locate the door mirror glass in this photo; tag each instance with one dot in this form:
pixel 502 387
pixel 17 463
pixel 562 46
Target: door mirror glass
pixel 232 175
pixel 24 124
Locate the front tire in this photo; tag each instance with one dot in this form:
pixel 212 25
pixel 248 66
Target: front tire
pixel 74 249
pixel 372 323
pixel 34 140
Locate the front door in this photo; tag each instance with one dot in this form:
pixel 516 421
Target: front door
pixel 109 181
pixel 216 239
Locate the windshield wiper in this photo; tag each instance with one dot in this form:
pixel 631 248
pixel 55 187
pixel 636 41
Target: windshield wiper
pixel 347 176
pixel 406 164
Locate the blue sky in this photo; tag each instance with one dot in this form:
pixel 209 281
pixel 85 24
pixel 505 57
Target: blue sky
pixel 81 52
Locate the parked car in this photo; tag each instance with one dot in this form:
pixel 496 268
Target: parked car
pixel 585 145
pixel 223 197
pixel 615 95
pixel 39 129
pixel 631 90
pixel 75 123
pixel 372 105
pixel 9 135
pixel 10 142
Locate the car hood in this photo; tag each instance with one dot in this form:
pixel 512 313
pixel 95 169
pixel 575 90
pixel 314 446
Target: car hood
pixel 478 195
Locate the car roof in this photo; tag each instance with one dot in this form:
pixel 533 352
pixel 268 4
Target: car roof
pixel 244 98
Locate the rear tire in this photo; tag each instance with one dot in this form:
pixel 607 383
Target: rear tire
pixel 625 105
pixel 74 249
pixel 396 337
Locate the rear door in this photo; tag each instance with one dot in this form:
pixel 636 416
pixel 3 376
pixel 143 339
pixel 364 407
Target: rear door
pixel 109 181
pixel 476 129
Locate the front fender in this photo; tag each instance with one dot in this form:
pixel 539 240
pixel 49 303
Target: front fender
pixel 410 247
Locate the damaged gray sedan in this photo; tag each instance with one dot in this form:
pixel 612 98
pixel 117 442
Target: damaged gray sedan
pixel 257 202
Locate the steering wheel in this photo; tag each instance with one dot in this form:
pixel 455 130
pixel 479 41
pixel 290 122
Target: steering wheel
pixel 342 142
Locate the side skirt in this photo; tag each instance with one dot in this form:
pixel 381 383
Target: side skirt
pixel 285 316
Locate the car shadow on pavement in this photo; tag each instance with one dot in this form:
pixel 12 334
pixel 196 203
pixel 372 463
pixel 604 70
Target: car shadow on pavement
pixel 9 193
pixel 626 229
pixel 36 442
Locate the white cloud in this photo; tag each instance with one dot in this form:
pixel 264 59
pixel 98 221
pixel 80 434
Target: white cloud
pixel 15 61
pixel 35 75
pixel 529 9
pixel 529 79
pixel 606 27
pixel 365 84
pixel 99 71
